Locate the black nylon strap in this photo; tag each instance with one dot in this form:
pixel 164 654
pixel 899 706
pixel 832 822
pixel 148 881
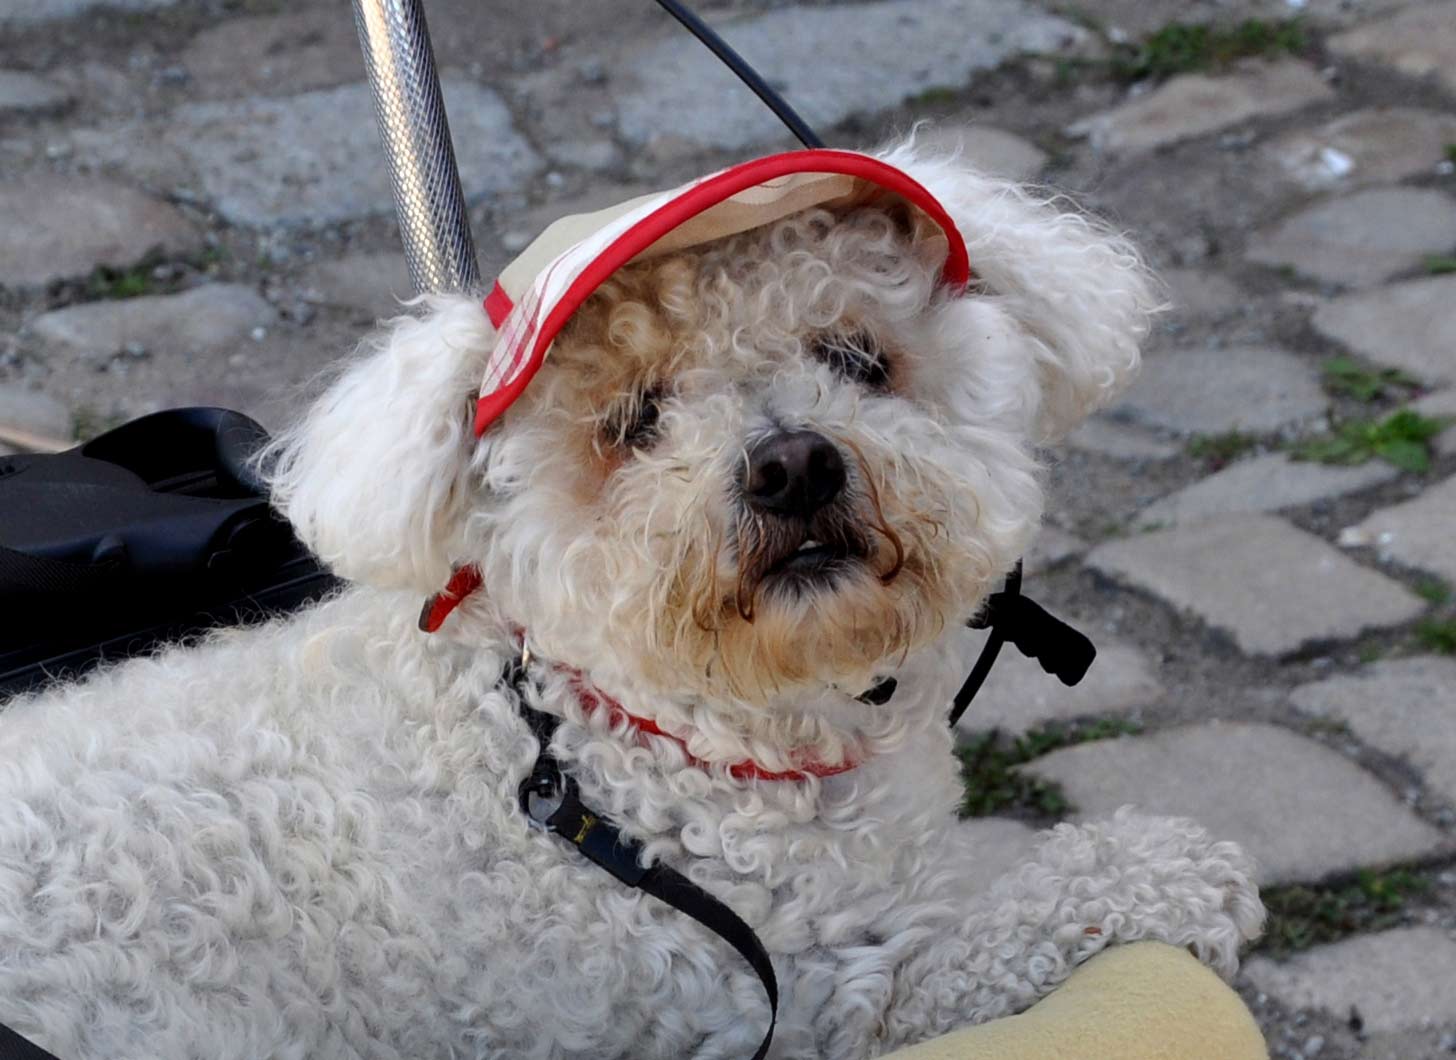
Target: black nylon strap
pixel 550 797
pixel 14 1047
pixel 1037 634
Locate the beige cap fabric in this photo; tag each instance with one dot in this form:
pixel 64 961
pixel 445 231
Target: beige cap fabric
pixel 536 293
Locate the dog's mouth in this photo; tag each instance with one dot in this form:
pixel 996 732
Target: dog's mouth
pixel 813 561
pixel 793 557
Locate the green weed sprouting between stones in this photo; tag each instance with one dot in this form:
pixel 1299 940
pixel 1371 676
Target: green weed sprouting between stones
pixel 1304 916
pixel 1402 439
pixel 133 282
pixel 1217 450
pixel 993 783
pixel 1434 591
pixel 1182 47
pixel 1347 377
pixel 1437 635
pixel 1451 153
pixel 1441 264
pixel 934 96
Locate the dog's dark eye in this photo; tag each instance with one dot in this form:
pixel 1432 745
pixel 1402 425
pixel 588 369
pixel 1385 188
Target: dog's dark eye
pixel 634 426
pixel 856 357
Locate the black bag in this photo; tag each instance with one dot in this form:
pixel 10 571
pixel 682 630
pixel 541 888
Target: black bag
pixel 155 531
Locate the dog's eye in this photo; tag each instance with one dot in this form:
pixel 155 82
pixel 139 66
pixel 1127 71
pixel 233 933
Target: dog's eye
pixel 856 357
pixel 634 425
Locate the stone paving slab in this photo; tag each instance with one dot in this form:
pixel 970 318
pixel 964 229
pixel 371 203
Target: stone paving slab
pixel 1270 586
pixel 1108 437
pixel 1193 105
pixel 864 69
pixel 1262 484
pixel 1360 239
pixel 23 11
pixel 1209 391
pixel 1377 145
pixel 1196 293
pixel 991 150
pixel 1019 694
pixel 210 318
pixel 1405 325
pixel 1398 980
pixel 274 55
pixel 1418 533
pixel 1302 810
pixel 305 159
pixel 374 284
pixel 1051 546
pixel 23 93
pixel 34 412
pixel 57 227
pixel 1404 707
pixel 1419 42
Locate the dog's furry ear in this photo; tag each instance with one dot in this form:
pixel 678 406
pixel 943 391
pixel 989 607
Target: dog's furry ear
pixel 1078 290
pixel 376 475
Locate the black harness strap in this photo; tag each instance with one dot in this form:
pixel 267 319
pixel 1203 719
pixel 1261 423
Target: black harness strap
pixel 550 798
pixel 1037 634
pixel 14 1047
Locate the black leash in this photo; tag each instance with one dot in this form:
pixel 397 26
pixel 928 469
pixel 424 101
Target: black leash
pixel 550 798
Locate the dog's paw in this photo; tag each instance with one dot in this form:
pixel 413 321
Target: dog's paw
pixel 1136 877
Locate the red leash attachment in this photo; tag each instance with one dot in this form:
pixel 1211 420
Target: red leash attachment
pixel 437 608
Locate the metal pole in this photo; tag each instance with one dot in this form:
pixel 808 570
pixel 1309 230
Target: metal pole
pixel 433 222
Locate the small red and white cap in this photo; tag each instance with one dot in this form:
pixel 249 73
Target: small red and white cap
pixel 538 292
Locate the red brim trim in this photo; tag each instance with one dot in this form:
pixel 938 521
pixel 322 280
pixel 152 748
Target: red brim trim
pixel 956 273
pixel 498 305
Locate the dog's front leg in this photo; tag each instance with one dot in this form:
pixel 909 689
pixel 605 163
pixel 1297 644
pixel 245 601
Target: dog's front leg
pixel 1126 879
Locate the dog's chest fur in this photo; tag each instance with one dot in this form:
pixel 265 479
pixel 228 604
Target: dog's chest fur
pixel 342 865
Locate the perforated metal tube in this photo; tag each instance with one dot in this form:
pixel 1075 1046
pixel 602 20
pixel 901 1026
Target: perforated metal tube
pixel 433 222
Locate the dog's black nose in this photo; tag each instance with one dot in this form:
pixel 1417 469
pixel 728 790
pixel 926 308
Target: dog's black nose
pixel 793 473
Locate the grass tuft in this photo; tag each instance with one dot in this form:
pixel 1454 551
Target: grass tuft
pixel 133 282
pixel 1434 591
pixel 1219 450
pixel 1441 264
pixel 1402 439
pixel 1305 916
pixel 1183 47
pixel 1437 635
pixel 994 784
pixel 1347 377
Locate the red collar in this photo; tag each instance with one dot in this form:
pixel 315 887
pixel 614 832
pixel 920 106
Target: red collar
pixel 591 699
pixel 467 579
pixel 747 769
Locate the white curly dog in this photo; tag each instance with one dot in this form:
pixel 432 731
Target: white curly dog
pixel 754 478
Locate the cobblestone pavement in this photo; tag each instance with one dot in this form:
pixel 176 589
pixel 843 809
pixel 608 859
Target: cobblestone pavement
pixel 193 208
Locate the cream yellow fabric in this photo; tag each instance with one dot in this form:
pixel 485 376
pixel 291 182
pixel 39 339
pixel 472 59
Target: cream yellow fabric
pixel 1143 1002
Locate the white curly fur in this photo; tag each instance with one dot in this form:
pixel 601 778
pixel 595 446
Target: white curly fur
pixel 302 840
